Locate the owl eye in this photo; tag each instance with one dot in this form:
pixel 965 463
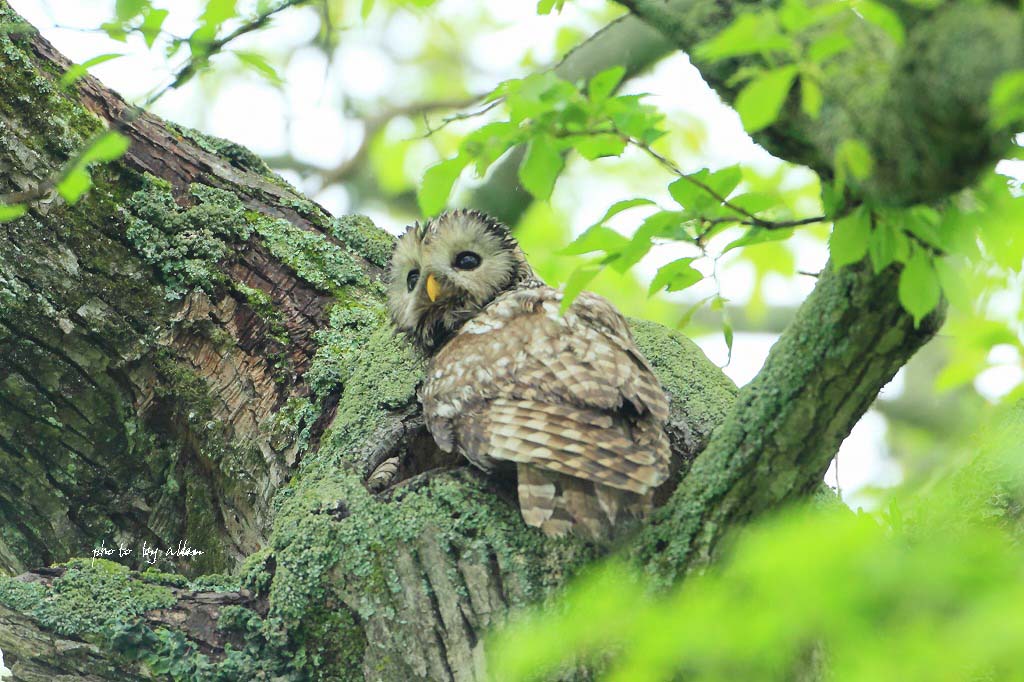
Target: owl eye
pixel 467 260
pixel 412 278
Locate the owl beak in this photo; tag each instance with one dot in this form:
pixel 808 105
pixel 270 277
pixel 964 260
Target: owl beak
pixel 433 288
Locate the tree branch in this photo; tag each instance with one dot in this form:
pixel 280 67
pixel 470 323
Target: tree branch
pixel 920 108
pixel 848 339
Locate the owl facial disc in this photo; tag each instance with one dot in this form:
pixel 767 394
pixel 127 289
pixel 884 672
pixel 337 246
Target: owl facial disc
pixel 443 273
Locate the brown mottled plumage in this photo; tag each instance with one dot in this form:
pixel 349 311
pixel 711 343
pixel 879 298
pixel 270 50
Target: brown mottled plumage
pixel 567 398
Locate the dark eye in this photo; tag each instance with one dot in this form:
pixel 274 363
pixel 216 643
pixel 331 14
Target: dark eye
pixel 412 278
pixel 467 260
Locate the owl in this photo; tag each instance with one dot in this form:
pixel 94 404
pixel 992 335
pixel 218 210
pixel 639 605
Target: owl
pixel 565 399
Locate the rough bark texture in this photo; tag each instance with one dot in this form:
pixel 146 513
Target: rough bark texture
pixel 847 341
pixel 195 352
pixel 178 345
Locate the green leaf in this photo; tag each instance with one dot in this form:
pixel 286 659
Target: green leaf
pixel 794 15
pixel 832 199
pixel 545 6
pixel 883 17
pixel 635 119
pixel 727 335
pixel 849 240
pixel 108 147
pixel 952 283
pixel 541 167
pixel 923 222
pixel 487 143
pixel 759 235
pixel 748 34
pixel 691 192
pixel 152 25
pixel 73 185
pixel 535 95
pixel 1006 104
pixel 76 181
pixel 596 238
pixel 887 244
pixel 579 278
pixel 760 101
pixel 810 97
pixel 919 289
pixel 676 276
pixel 688 315
pixel 365 8
pixel 437 185
pixel 598 146
pixel 854 158
pixel 828 46
pixel 76 71
pixel 724 180
pixel 9 212
pixel 126 10
pixel 115 30
pixel 259 63
pixel 603 84
pixel 620 206
pixel 660 224
pixel 215 13
pixel 754 202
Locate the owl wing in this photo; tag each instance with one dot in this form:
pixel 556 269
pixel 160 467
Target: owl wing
pixel 568 394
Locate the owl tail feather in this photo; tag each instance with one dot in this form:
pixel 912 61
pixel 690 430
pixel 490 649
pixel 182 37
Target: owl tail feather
pixel 559 504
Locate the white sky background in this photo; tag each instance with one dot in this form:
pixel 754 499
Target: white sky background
pixel 306 119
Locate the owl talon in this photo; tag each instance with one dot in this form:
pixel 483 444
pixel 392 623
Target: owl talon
pixel 383 475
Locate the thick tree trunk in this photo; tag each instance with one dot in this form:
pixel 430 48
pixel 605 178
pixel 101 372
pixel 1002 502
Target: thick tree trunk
pixel 175 348
pixel 195 352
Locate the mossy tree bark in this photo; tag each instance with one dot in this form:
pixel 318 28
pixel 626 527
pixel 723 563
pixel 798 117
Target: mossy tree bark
pixel 195 352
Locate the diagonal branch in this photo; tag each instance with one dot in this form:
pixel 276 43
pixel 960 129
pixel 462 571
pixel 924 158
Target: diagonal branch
pixel 847 341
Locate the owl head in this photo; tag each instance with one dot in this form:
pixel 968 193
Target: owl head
pixel 444 272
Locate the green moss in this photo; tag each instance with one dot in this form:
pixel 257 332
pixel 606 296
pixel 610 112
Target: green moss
pixel 340 344
pixel 238 619
pixel 311 255
pixel 215 582
pixel 238 155
pixel 701 394
pixel 93 596
pixel 188 245
pixel 59 125
pixel 370 241
pixel 264 307
pixel 291 424
pixel 152 575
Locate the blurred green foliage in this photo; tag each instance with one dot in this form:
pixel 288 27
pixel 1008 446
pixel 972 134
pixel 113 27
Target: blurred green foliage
pixel 928 589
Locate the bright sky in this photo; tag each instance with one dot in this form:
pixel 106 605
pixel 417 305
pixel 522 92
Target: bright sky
pixel 306 118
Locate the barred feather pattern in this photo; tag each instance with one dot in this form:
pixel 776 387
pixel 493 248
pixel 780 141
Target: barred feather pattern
pixel 568 398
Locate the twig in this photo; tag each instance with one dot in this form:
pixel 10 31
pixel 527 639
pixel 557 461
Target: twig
pixel 462 115
pixel 195 62
pixel 372 125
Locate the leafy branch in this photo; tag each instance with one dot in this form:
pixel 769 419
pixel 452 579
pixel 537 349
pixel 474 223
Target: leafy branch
pixel 139 15
pixel 204 45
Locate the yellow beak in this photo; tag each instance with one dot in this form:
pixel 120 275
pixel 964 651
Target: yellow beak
pixel 433 288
